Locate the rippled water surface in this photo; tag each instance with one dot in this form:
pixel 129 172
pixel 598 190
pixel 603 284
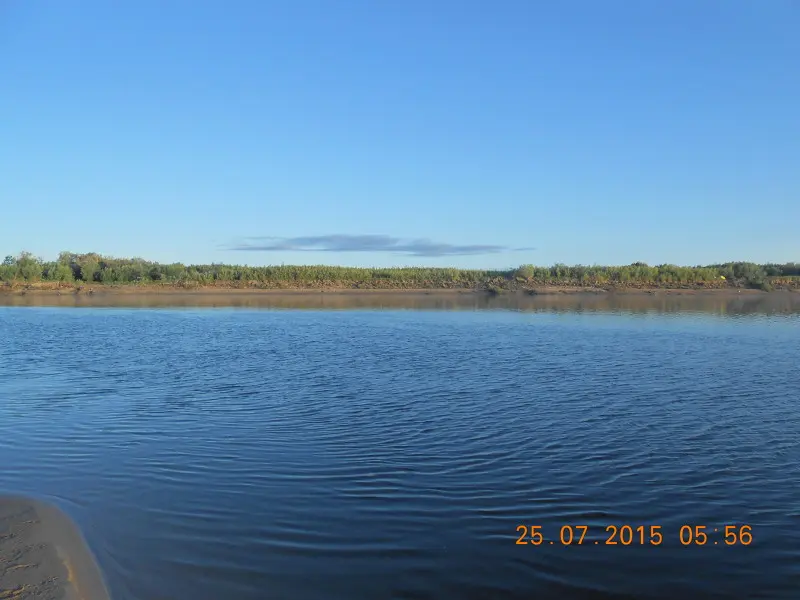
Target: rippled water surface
pixel 258 454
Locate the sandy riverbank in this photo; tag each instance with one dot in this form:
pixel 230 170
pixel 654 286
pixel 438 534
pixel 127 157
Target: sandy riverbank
pixel 43 556
pixel 554 299
pixel 140 290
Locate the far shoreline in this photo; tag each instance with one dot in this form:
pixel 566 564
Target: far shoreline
pixel 527 298
pixel 544 290
pixel 544 298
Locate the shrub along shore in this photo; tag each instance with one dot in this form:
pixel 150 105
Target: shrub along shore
pixel 78 271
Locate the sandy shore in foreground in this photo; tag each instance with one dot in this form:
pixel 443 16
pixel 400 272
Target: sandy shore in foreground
pixel 43 556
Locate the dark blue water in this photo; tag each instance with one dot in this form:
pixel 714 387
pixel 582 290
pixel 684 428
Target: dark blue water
pixel 392 454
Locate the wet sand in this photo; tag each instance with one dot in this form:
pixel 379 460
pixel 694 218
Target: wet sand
pixel 43 556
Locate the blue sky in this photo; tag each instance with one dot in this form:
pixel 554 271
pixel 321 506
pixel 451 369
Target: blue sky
pixel 430 132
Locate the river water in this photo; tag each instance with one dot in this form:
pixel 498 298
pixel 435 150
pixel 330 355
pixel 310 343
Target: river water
pixel 307 454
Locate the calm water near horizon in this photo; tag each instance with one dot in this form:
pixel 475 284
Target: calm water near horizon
pixel 308 454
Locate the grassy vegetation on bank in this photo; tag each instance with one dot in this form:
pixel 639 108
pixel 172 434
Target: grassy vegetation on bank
pixel 82 269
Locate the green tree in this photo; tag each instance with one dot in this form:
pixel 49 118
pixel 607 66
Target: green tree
pixel 29 267
pixel 525 271
pixel 61 272
pixel 88 268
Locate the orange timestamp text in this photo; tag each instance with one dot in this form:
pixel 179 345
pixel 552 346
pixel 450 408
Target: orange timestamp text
pixel 630 535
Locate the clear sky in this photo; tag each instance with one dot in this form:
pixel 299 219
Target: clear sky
pixel 376 132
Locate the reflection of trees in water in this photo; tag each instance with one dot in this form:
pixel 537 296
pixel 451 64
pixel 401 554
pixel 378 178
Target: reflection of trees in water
pixel 634 303
pixel 722 305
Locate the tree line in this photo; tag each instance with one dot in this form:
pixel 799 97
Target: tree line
pixel 93 268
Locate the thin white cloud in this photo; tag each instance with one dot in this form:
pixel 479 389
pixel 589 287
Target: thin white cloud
pixel 364 243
